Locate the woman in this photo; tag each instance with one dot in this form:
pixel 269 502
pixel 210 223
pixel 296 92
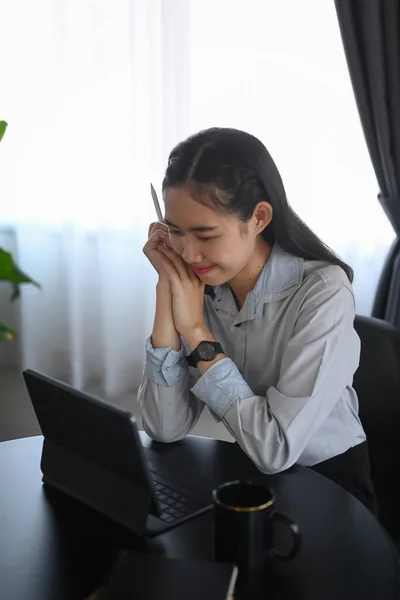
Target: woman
pixel 254 317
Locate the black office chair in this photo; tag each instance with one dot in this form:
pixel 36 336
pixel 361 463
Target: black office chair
pixel 377 382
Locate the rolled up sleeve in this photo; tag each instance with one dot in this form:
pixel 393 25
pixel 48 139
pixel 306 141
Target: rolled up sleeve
pixel 164 366
pixel 168 410
pixel 220 386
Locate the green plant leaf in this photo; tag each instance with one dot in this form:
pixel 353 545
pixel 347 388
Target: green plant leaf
pixel 3 127
pixel 9 271
pixel 6 333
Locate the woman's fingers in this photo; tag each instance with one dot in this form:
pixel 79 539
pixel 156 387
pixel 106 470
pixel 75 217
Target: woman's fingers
pixel 192 275
pixel 157 226
pixel 177 262
pixel 167 266
pixel 183 269
pixel 158 236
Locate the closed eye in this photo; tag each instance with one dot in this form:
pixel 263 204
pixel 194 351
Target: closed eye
pixel 202 239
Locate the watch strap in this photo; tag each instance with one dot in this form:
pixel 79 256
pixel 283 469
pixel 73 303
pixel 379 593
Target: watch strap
pixel 195 357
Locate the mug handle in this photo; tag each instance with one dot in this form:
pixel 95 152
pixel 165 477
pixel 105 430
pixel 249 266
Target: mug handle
pixel 297 540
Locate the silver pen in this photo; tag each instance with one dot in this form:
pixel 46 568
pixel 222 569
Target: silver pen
pixel 156 203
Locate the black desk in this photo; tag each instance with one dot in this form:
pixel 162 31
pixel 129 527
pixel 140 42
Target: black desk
pixel 52 548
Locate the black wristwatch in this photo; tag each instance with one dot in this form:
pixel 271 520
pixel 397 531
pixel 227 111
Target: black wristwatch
pixel 206 351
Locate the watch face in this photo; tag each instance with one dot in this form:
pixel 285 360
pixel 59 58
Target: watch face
pixel 206 351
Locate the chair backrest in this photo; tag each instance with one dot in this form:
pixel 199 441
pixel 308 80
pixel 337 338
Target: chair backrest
pixel 377 383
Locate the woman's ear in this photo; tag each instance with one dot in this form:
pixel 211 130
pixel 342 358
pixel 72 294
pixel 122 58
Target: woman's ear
pixel 262 216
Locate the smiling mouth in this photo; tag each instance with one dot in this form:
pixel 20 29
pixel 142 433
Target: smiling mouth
pixel 202 270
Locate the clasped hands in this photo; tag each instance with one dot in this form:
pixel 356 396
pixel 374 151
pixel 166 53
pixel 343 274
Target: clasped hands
pixel 185 287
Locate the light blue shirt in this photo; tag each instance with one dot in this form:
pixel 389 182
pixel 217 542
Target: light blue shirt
pixel 284 392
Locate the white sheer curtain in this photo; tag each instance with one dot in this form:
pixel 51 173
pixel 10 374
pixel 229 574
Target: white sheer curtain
pixel 96 93
pixel 94 101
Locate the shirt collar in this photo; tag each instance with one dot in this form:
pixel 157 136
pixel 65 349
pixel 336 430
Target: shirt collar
pixel 281 276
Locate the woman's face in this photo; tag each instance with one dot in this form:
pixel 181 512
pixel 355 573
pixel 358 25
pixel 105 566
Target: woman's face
pixel 215 245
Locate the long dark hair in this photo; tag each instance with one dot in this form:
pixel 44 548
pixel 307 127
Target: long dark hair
pixel 234 171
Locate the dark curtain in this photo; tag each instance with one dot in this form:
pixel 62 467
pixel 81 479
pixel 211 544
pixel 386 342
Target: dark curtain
pixel 371 38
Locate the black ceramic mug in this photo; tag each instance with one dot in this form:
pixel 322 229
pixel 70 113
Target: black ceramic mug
pixel 244 521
